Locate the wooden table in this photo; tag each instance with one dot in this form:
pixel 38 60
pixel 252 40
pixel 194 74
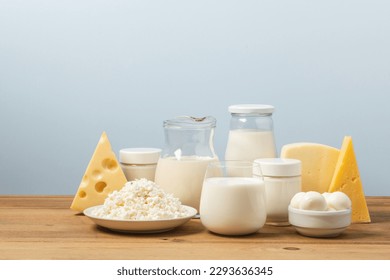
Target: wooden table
pixel 43 227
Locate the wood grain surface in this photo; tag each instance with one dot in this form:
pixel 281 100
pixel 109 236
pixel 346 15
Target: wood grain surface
pixel 43 227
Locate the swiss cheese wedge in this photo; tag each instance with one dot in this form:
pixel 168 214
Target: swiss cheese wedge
pixel 347 180
pixel 318 164
pixel 103 175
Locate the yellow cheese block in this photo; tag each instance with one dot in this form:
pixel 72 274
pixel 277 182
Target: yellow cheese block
pixel 347 180
pixel 103 175
pixel 318 164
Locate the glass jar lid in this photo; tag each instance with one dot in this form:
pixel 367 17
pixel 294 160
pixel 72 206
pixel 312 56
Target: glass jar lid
pixel 251 109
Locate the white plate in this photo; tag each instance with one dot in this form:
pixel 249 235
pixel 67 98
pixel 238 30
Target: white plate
pixel 131 226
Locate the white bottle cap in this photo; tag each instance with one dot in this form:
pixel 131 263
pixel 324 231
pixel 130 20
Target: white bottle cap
pixel 251 108
pixel 278 167
pixel 139 155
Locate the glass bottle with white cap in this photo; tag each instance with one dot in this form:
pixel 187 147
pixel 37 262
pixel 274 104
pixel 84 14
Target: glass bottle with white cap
pixel 251 134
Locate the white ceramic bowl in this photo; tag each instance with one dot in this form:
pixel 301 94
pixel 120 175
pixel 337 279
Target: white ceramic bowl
pixel 319 223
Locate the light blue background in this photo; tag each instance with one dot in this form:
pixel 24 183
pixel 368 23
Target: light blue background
pixel 72 69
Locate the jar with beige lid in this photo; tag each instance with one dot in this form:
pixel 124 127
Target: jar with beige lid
pixel 139 163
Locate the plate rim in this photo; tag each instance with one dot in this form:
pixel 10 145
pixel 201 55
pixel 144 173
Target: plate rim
pixel 191 215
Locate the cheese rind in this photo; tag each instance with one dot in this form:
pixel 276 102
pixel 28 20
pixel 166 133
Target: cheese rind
pixel 347 180
pixel 103 176
pixel 318 164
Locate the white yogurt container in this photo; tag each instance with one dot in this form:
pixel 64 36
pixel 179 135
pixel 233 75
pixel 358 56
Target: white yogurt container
pixel 139 163
pixel 282 178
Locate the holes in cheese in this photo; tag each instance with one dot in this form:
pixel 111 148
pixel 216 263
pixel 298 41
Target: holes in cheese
pixel 97 174
pixel 103 176
pixel 100 186
pixel 82 194
pixel 110 164
pixel 85 179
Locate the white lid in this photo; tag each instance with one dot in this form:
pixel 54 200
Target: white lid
pixel 251 108
pixel 279 167
pixel 139 155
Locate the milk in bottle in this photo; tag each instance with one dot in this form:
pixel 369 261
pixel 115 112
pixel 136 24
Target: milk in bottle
pixel 251 133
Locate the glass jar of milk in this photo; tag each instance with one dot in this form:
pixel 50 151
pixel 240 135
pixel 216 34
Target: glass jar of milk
pixel 188 150
pixel 251 133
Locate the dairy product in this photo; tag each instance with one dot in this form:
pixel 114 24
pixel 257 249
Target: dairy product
pixel 233 206
pixel 103 175
pixel 251 132
pixel 297 199
pixel 313 201
pixel 326 195
pixel 337 201
pixel 141 200
pixel 138 163
pixel 282 178
pixel 245 144
pixel 278 196
pixel 139 171
pixel 321 202
pixel 183 177
pixel 318 164
pixel 347 180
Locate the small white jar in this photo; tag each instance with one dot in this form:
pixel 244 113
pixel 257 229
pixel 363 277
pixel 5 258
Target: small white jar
pixel 139 163
pixel 282 178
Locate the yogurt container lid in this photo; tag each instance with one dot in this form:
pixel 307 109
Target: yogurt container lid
pixel 251 108
pixel 278 167
pixel 139 155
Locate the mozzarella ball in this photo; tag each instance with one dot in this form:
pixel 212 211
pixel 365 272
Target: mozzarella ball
pixel 295 201
pixel 339 201
pixel 313 201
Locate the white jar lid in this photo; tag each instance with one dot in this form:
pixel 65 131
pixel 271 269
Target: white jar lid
pixel 278 167
pixel 139 155
pixel 251 108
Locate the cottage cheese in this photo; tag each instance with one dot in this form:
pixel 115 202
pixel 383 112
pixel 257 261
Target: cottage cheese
pixel 141 200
